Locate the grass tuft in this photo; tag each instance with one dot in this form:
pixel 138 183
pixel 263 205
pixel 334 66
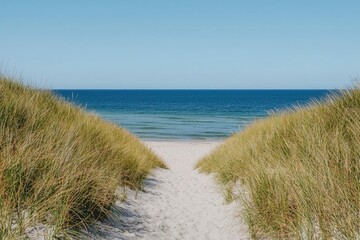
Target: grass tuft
pixel 60 166
pixel 300 170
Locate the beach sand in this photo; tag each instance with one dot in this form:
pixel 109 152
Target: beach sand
pixel 178 203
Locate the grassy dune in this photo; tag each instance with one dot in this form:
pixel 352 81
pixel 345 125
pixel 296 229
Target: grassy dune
pixel 300 171
pixel 59 165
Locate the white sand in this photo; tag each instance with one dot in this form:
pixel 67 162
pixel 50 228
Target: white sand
pixel 178 203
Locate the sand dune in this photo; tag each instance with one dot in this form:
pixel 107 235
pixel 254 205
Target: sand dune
pixel 178 203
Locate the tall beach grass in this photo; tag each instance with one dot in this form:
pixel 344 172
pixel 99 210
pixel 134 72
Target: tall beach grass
pixel 59 165
pixel 299 171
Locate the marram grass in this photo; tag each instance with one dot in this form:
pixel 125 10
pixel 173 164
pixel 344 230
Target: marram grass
pixel 59 165
pixel 299 171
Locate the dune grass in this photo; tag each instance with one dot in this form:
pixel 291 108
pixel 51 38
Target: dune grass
pixel 299 171
pixel 59 165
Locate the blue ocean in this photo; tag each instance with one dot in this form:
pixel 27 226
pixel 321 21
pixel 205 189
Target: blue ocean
pixel 187 114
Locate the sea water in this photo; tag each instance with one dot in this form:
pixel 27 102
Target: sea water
pixel 188 114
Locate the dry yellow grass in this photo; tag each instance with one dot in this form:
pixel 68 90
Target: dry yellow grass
pixel 59 165
pixel 300 171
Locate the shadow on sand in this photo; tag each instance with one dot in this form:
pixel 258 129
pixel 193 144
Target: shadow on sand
pixel 127 219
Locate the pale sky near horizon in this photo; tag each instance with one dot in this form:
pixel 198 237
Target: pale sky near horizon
pixel 160 44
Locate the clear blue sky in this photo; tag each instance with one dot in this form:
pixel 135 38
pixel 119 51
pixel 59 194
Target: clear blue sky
pixel 182 44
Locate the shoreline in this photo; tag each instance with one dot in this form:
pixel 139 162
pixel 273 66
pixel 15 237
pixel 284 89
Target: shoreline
pixel 183 140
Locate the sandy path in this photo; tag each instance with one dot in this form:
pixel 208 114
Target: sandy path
pixel 178 203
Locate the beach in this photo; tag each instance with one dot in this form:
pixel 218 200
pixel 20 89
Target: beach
pixel 179 120
pixel 177 203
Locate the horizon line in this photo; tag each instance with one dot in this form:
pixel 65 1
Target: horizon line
pixel 195 89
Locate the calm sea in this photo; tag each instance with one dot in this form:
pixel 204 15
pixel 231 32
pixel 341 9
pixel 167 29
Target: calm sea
pixel 187 114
